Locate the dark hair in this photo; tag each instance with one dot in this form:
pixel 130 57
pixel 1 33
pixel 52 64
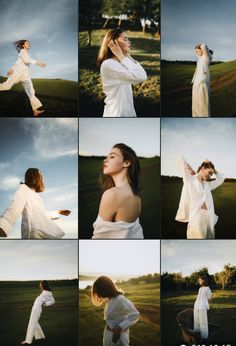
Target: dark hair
pixel 34 179
pixel 105 52
pixel 19 44
pixel 45 285
pixel 106 182
pixel 206 165
pixel 204 279
pixel 103 289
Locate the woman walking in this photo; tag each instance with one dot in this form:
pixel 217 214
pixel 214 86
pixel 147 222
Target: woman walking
pixel 20 73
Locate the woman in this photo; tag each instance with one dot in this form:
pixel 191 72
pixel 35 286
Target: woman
pixel 34 329
pixel 201 82
pixel 201 306
pixel 36 223
pixel 118 72
pixel 119 314
pixel 120 205
pixel 196 203
pixel 20 73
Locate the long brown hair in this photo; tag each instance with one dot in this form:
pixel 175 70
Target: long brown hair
pixel 19 44
pixel 45 285
pixel 105 52
pixel 206 165
pixel 104 289
pixel 106 182
pixel 34 179
pixel 204 279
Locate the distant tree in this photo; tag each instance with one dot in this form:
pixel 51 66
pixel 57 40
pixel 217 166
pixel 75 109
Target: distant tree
pixel 193 278
pixel 90 11
pixel 146 10
pixel 113 8
pixel 226 277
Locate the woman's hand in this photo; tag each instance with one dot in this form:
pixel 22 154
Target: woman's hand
pixel 10 71
pixel 2 233
pixel 64 212
pixel 41 63
pixel 116 334
pixel 116 50
pixel 191 171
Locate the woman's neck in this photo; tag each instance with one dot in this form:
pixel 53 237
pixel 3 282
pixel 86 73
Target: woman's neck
pixel 120 180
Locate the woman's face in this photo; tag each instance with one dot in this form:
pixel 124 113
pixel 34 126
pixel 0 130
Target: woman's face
pixel 114 163
pixel 26 45
pixel 124 42
pixel 200 281
pixel 206 173
pixel 40 285
pixel 198 51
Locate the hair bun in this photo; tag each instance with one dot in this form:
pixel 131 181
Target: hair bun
pixel 211 51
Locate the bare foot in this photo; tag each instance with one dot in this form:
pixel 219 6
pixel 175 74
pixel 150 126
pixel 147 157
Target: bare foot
pixel 37 112
pixel 24 343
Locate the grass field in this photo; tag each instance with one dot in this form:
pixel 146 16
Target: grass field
pixel 90 195
pixel 59 98
pixel 145 49
pixel 59 322
pixel 222 312
pixel 176 89
pixel 146 332
pixel 224 200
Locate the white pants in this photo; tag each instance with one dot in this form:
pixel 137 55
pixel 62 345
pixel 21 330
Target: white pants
pixel 199 226
pixel 24 78
pixel 34 329
pixel 201 322
pixel 200 100
pixel 39 235
pixel 123 341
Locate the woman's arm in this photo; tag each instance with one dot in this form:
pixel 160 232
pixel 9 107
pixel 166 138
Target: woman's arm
pixel 185 169
pixel 217 182
pixel 48 301
pixel 27 59
pixel 205 51
pixel 108 205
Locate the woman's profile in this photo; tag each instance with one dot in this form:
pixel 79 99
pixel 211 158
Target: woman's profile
pixel 45 299
pixel 120 205
pixel 20 72
pixel 119 71
pixel 201 82
pixel 36 222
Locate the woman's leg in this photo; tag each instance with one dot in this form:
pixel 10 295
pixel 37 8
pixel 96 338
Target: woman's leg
pixel 39 334
pixel 197 226
pixel 29 89
pixel 8 84
pixel 33 322
pixel 203 323
pixel 196 320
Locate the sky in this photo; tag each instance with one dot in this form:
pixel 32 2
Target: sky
pixel 38 260
pixel 198 139
pixel 187 256
pixel 119 258
pixel 98 137
pixel 186 23
pixel 50 145
pixel 52 28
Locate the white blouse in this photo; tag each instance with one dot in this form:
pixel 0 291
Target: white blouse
pixel 44 299
pixel 118 229
pixel 34 215
pixel 24 61
pixel 203 297
pixel 202 73
pixel 117 79
pixel 195 194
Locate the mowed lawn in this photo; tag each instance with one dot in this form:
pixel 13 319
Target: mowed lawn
pixel 59 321
pixel 224 200
pixel 222 312
pixel 145 49
pixel 146 332
pixel 90 195
pixel 176 89
pixel 59 98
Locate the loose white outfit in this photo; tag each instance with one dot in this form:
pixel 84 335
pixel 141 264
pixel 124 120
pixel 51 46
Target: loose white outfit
pixel 117 79
pixel 119 311
pixel 34 329
pixel 118 229
pixel 201 86
pixel 194 195
pixel 201 306
pixel 36 222
pixel 21 73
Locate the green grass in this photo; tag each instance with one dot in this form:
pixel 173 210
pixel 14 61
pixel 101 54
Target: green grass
pixel 222 312
pixel 90 195
pixel 59 98
pixel 176 89
pixel 224 200
pixel 146 332
pixel 59 322
pixel 146 49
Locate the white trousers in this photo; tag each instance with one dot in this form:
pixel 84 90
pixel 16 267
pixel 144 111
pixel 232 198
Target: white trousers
pixel 123 341
pixel 24 78
pixel 200 100
pixel 201 322
pixel 199 226
pixel 34 329
pixel 39 235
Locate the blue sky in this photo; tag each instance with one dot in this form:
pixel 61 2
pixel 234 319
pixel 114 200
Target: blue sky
pixel 52 28
pixel 196 140
pixel 19 258
pixel 50 145
pixel 97 137
pixel 186 23
pixel 187 256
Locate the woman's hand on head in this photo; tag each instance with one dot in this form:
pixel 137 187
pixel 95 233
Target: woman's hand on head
pixel 64 212
pixel 116 334
pixel 116 50
pixel 2 233
pixel 10 71
pixel 41 63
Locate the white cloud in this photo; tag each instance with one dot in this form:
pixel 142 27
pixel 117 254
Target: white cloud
pixel 9 183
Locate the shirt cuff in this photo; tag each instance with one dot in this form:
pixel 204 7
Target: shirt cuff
pixel 128 63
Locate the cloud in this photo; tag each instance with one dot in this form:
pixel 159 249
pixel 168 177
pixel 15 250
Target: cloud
pixel 9 183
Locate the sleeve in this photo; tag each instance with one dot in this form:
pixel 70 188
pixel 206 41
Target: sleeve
pixel 131 313
pixel 49 300
pixel 26 57
pixel 11 214
pixel 205 52
pixel 183 168
pixel 53 215
pixel 219 180
pixel 208 293
pixel 128 70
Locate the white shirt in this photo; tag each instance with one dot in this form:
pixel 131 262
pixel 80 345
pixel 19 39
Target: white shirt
pixel 118 229
pixel 24 61
pixel 204 295
pixel 195 194
pixel 120 311
pixel 44 299
pixel 202 73
pixel 34 215
pixel 117 79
